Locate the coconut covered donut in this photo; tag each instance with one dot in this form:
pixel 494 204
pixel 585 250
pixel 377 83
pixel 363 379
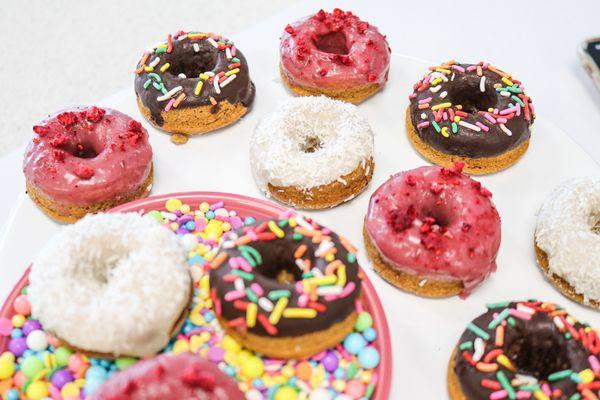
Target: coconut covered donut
pixel 104 288
pixel 312 152
pixel 567 239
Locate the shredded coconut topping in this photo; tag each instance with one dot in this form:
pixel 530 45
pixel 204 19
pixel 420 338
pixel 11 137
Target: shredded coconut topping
pixel 111 283
pixel 308 142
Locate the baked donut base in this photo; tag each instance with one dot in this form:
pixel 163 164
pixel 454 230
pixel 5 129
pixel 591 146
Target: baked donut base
pixel 419 285
pixel 110 356
pixel 560 283
pixel 353 95
pixel 184 122
pixel 53 210
pixel 325 196
pixel 294 347
pixel 454 389
pixel 476 166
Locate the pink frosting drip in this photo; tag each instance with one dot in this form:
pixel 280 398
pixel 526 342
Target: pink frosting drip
pixel 334 50
pixel 436 223
pixel 86 155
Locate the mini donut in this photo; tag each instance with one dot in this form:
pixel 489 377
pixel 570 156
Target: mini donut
pixel 433 232
pixel 193 83
pixel 525 350
pixel 87 159
pixel 567 240
pixel 312 152
pixel 334 54
pixel 182 376
pixel 111 285
pixel 286 287
pixel 473 113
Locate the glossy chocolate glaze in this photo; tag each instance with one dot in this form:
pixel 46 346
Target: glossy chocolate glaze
pixel 184 59
pixel 278 256
pixel 535 347
pixel 463 90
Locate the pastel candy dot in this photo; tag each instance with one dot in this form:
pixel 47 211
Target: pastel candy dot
pixel 62 355
pixel 18 320
pixel 124 362
pixel 36 340
pixel 8 356
pixel 355 389
pixel 30 326
pixel 76 363
pixel 71 389
pixel 252 367
pixel 230 344
pixel 17 346
pixel 339 385
pixel 12 395
pixel 189 241
pixel 285 393
pixel 249 220
pixel 7 368
pixel 320 394
pixel 368 357
pixel 61 377
pixel 173 205
pixel 204 207
pixel 22 305
pixel 216 354
pixel 37 390
pixel 6 326
pixel 155 215
pixel 304 370
pixel 343 397
pixel 31 366
pixel 354 343
pixel 370 334
pixel 254 394
pixel 19 379
pixel 364 321
pixel 330 362
pixel 185 208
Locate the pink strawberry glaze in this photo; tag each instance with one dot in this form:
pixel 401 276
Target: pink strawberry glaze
pixel 305 63
pixel 436 223
pixel 183 376
pixel 87 155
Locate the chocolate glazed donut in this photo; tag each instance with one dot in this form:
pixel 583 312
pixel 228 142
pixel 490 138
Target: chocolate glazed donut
pixel 286 288
pixel 526 346
pixel 470 112
pixel 181 73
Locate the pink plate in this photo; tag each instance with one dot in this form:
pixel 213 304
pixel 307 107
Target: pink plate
pixel 247 206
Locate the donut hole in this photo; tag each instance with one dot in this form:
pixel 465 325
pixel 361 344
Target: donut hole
pixel 311 144
pixel 539 352
pixel 333 42
pixel 278 263
pixel 83 149
pixel 193 64
pixel 468 95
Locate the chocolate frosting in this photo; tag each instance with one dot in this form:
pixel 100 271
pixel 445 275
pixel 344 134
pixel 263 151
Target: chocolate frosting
pixel 539 347
pixel 192 54
pixel 460 85
pixel 278 259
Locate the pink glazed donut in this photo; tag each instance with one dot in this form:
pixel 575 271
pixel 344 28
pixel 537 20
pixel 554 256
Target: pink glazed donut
pixel 87 159
pixel 433 231
pixel 334 54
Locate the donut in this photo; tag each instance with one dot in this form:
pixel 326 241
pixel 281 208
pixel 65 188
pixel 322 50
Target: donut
pixel 432 231
pixel 474 113
pixel 182 376
pixel 111 285
pixel 312 152
pixel 87 159
pixel 567 240
pixel 286 287
pixel 193 83
pixel 334 54
pixel 525 350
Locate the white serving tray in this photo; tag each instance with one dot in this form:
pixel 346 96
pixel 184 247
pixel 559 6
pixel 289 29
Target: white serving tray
pixel 423 331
